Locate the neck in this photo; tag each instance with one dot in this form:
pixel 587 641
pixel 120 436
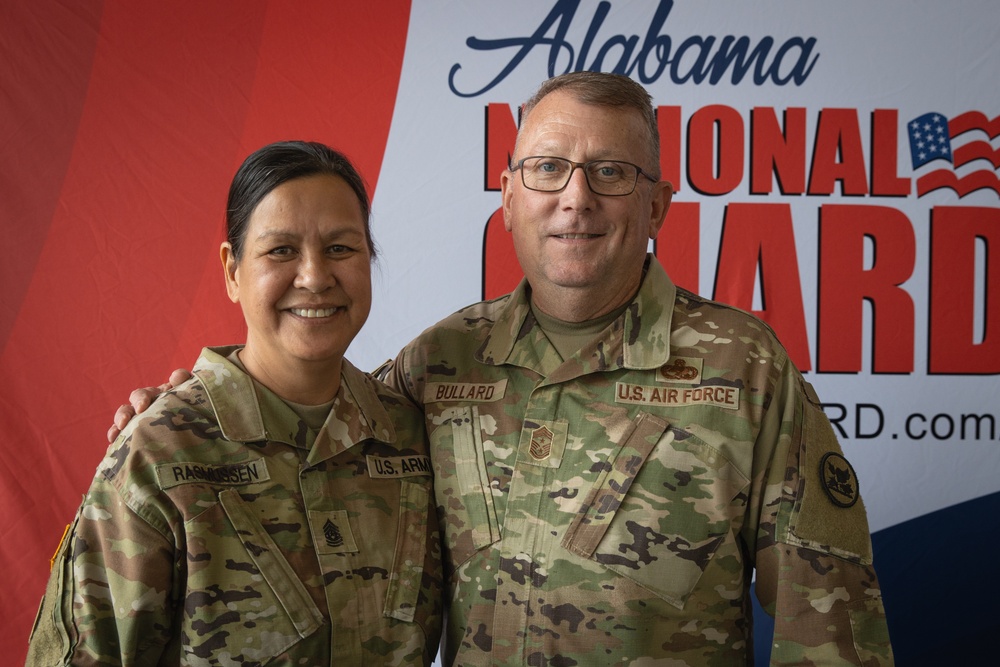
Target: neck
pixel 304 382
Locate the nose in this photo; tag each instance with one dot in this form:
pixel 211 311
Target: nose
pixel 577 194
pixel 314 273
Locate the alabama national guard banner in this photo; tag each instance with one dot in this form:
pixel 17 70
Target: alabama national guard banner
pixel 835 167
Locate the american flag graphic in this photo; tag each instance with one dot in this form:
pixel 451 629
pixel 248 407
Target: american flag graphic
pixel 964 157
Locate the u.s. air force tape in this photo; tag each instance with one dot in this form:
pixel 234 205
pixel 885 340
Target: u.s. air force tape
pixel 227 474
pixel 723 397
pixel 399 466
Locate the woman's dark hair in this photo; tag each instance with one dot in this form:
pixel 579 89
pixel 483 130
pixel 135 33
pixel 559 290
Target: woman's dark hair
pixel 274 164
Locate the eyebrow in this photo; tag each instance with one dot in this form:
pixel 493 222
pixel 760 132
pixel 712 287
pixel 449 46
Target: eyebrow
pixel 281 234
pixel 600 155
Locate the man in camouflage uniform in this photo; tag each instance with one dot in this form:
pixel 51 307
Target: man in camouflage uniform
pixel 223 528
pixel 614 456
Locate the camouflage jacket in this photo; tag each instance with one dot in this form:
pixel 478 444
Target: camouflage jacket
pixel 610 509
pixel 221 530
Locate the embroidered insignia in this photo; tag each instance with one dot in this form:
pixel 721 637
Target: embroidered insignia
pixel 838 479
pixel 464 392
pixel 332 534
pixel 399 466
pixel 541 443
pixel 718 395
pixel 679 370
pixel 171 474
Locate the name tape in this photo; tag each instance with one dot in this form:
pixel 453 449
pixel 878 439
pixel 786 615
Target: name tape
pixel 464 392
pixel 228 474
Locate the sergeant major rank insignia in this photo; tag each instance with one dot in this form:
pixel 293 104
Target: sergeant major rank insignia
pixel 331 532
pixel 541 443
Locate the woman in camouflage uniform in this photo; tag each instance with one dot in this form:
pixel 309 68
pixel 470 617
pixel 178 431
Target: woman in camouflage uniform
pixel 276 507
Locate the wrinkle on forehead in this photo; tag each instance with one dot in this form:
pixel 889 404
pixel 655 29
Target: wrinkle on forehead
pixel 562 126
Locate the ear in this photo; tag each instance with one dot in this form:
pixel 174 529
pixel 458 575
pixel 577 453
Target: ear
pixel 660 197
pixel 506 192
pixel 231 268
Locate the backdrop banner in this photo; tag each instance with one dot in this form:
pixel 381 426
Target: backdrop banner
pixel 835 168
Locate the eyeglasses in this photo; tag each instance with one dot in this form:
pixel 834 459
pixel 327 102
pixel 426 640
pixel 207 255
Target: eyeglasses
pixel 612 178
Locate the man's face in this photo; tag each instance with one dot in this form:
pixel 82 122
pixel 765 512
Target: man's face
pixel 582 252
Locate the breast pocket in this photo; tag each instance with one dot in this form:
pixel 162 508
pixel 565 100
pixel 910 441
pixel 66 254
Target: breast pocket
pixel 461 483
pixel 240 583
pixel 660 511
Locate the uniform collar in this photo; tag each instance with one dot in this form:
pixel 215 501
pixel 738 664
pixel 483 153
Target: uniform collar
pixel 639 339
pixel 249 413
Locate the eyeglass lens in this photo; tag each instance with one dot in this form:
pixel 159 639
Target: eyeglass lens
pixel 605 177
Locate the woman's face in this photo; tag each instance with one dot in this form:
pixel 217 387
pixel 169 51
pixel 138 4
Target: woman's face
pixel 304 281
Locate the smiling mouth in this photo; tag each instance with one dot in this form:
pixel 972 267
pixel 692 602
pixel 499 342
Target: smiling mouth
pixel 314 312
pixel 575 237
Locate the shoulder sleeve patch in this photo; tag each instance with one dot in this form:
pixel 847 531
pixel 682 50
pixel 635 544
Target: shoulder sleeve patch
pixel 828 513
pixel 839 480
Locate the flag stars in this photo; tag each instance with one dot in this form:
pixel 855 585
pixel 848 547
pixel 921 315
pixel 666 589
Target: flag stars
pixel 930 139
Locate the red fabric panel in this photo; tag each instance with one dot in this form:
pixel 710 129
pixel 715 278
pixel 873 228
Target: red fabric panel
pixel 119 279
pixel 44 67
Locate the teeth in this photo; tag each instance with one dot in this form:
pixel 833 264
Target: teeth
pixel 313 312
pixel 577 236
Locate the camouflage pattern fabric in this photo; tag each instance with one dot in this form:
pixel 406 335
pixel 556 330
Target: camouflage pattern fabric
pixel 221 530
pixel 610 509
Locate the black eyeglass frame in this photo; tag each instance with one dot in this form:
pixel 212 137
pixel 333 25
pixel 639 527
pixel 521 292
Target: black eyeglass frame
pixel 586 176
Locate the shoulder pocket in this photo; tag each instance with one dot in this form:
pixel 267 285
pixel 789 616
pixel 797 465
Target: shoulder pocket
pixel 828 514
pixel 50 643
pixel 660 511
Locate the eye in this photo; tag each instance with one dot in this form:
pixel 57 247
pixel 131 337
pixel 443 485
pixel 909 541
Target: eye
pixel 546 166
pixel 338 249
pixel 281 251
pixel 607 171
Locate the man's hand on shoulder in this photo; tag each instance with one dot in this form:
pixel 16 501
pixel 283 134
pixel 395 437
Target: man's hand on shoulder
pixel 140 399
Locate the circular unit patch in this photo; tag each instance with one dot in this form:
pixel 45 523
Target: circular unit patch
pixel 838 479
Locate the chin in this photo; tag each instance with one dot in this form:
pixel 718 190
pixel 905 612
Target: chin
pixel 586 277
pixel 320 356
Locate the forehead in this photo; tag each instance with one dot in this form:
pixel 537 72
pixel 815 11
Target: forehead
pixel 318 201
pixel 563 126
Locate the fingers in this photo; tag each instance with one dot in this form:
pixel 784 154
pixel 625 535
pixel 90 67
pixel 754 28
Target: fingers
pixel 178 376
pixel 141 398
pixel 122 417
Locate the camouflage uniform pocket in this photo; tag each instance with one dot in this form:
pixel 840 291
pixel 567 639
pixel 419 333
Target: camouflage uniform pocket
pixel 828 514
pixel 870 632
pixel 239 582
pixel 49 643
pixel 661 512
pixel 462 485
pixel 411 545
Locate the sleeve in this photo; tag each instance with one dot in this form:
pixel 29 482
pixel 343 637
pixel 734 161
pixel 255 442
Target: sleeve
pixel 813 548
pixel 109 598
pixel 394 373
